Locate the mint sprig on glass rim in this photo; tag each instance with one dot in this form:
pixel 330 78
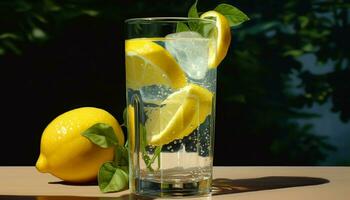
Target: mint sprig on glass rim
pixel 234 16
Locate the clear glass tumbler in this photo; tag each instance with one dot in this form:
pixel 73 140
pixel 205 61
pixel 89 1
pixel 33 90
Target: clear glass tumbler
pixel 171 91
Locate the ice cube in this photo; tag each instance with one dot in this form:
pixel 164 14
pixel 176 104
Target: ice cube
pixel 190 50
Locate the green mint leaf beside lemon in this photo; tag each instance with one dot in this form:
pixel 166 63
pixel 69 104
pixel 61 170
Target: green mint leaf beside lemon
pixel 102 135
pixel 112 178
pixel 113 175
pixel 121 156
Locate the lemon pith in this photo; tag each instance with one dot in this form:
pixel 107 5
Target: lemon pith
pixel 68 155
pixel 222 35
pixel 148 63
pixel 181 113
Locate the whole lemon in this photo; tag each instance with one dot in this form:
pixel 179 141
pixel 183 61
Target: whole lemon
pixel 68 155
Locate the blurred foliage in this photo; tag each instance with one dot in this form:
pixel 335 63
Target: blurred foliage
pixel 256 108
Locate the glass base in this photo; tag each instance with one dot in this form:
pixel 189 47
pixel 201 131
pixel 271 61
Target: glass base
pixel 171 189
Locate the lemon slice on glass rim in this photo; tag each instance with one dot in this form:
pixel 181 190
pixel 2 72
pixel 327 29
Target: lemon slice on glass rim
pixel 221 35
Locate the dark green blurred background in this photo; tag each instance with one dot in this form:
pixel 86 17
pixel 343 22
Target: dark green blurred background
pixel 283 89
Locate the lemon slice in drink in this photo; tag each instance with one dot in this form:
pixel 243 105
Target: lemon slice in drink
pixel 222 36
pixel 148 63
pixel 178 115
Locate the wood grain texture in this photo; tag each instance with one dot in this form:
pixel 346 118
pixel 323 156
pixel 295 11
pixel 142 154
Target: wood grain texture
pixel 239 183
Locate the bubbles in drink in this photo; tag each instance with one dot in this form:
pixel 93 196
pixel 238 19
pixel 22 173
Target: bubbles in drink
pixel 155 93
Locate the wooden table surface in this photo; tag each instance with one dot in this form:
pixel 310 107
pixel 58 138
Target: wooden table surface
pixel 239 183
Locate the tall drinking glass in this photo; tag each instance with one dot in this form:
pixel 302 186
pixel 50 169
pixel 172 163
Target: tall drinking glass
pixel 170 89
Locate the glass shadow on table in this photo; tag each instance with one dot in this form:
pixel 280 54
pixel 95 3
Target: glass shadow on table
pixel 220 186
pixel 228 186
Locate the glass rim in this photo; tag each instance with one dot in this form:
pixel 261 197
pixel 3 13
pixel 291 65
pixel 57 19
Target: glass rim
pixel 166 19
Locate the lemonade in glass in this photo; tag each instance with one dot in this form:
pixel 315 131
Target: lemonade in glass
pixel 171 89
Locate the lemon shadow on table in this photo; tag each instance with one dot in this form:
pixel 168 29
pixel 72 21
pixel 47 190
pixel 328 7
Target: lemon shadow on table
pixel 73 183
pixel 220 186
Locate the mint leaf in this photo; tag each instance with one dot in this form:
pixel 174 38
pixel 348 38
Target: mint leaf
pixel 143 144
pixel 102 135
pixel 234 16
pixel 156 154
pixel 143 133
pixel 181 27
pixel 121 156
pixel 146 158
pixel 112 178
pixel 206 28
pixel 193 13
